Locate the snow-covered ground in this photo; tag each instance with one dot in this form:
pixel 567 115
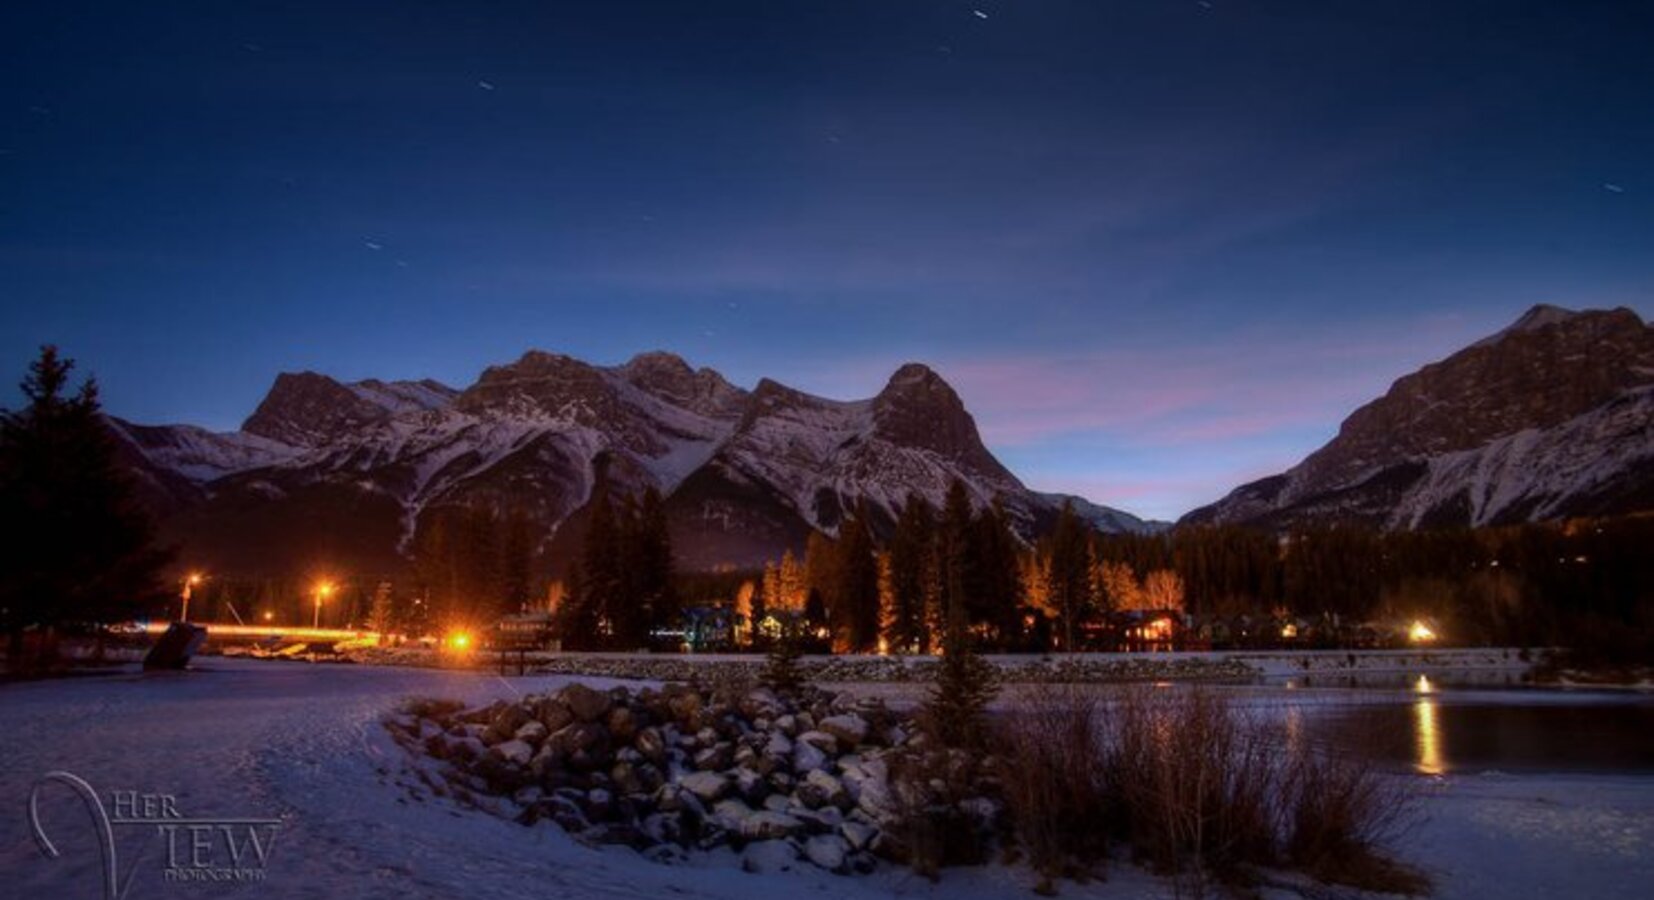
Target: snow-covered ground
pixel 241 738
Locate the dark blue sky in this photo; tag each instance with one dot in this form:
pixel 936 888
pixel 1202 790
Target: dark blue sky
pixel 1160 247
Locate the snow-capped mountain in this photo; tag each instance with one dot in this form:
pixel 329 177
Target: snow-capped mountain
pixel 337 474
pixel 1549 418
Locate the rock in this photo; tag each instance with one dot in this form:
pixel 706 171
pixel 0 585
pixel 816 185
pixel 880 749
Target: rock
pixel 751 786
pixel 858 835
pixel 760 703
pixel 764 857
pixel 770 826
pixel 532 732
pixel 787 725
pixel 825 820
pixel 808 758
pixel 718 757
pixel 827 851
pixel 515 752
pixel 777 802
pixel 731 815
pixel 821 789
pixel 685 705
pixel 849 728
pixel 820 740
pixel 779 745
pixel 626 778
pixel 553 713
pixel 707 786
pixel 623 724
pixel 650 743
pixel 588 705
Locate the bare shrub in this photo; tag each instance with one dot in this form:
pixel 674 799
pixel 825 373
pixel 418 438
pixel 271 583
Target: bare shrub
pixel 1051 754
pixel 1195 782
pixel 1340 812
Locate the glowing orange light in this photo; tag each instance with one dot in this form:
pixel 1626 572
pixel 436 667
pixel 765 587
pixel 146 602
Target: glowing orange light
pixel 460 641
pixel 1420 633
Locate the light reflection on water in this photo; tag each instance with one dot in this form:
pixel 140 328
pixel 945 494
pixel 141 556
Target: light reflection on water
pixel 1428 732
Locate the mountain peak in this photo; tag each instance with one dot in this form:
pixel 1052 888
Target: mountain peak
pixel 305 409
pixel 667 377
pixel 1540 315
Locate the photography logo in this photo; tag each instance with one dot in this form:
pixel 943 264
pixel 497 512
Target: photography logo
pixel 198 850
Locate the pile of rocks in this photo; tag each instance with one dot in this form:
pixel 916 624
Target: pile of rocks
pixel 682 769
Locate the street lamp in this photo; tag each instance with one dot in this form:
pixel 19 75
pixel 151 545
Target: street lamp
pixel 190 581
pixel 322 591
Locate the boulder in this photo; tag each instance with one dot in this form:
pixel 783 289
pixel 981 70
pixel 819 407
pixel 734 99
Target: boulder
pixel 532 732
pixel 849 728
pixel 553 713
pixel 515 752
pixel 588 705
pixel 821 789
pixel 651 744
pixel 716 758
pixel 763 857
pixel 807 758
pixel 706 786
pixel 858 835
pixel 827 851
pixel 623 724
pixel 820 740
pixel 766 825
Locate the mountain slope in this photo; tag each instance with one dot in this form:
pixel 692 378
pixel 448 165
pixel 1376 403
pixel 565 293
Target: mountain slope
pixel 345 476
pixel 1549 418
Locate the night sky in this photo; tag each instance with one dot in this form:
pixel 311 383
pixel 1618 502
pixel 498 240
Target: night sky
pixel 1159 247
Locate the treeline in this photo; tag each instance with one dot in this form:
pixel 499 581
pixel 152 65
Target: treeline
pixel 1525 585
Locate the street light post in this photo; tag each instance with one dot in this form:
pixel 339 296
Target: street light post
pixel 193 579
pixel 322 590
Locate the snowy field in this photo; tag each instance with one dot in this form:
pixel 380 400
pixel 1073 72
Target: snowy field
pixel 301 743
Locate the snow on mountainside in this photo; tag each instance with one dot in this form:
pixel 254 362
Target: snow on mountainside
pixel 353 472
pixel 1549 418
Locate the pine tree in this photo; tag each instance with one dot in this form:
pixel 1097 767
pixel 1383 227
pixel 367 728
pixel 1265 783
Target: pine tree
pixel 782 672
pixel 78 548
pixel 1069 574
pixel 911 556
pixel 856 592
pixel 999 585
pixel 601 574
pixel 653 561
pixel 955 712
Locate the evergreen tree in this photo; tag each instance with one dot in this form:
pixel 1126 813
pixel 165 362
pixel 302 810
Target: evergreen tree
pixel 78 548
pixel 856 591
pixel 954 713
pixel 1069 575
pixel 653 565
pixel 781 672
pixel 956 552
pixel 601 574
pixel 998 591
pixel 911 557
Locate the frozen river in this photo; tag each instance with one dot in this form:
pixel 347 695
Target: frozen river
pixel 298 747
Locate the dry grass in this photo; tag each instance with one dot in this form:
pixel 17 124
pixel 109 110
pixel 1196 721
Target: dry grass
pixel 1198 789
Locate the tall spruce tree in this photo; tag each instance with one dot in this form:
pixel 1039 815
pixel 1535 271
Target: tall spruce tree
pixel 1069 574
pixel 911 552
pixel 653 560
pixel 78 548
pixel 856 593
pixel 954 713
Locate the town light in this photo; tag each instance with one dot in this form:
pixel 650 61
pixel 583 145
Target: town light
pixel 1420 633
pixel 190 582
pixel 323 589
pixel 459 641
